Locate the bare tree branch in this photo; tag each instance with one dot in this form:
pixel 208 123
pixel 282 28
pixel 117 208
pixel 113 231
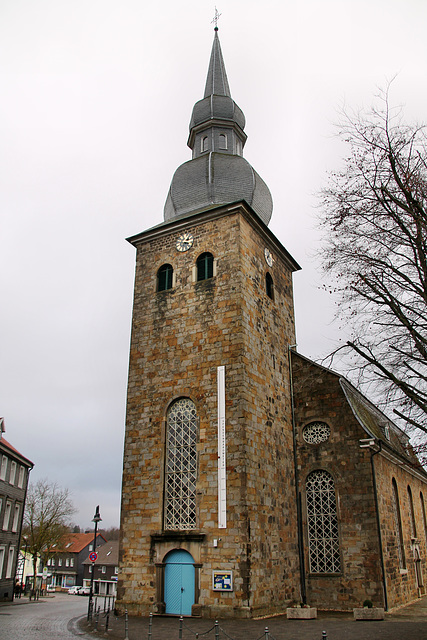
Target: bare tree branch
pixel 374 215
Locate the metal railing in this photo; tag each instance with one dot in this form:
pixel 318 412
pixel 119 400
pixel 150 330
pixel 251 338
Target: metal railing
pixel 216 632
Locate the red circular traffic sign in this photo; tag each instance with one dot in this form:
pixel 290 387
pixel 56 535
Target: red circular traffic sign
pixel 93 556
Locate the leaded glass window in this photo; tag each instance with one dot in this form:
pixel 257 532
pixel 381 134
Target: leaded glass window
pixel 181 466
pixel 412 514
pixel 398 526
pixel 322 521
pixel 423 511
pixel 316 432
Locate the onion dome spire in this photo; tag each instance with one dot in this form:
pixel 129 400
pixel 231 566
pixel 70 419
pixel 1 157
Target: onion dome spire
pixel 217 174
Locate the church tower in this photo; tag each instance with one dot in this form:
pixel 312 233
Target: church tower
pixel 208 519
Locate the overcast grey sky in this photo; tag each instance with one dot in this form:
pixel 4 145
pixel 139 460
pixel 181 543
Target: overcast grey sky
pixel 96 97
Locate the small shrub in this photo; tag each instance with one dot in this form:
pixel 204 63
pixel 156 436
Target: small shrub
pixel 368 604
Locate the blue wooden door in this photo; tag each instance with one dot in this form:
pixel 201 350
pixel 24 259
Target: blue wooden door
pixel 179 582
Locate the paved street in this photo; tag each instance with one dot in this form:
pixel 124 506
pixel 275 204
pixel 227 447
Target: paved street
pixel 48 619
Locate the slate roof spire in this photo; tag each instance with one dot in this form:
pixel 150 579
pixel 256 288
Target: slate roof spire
pixel 217 174
pixel 217 82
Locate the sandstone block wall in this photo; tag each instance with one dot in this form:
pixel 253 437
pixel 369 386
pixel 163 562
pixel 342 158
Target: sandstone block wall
pixel 179 338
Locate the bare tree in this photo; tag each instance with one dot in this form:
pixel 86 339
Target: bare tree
pixel 374 215
pixel 47 510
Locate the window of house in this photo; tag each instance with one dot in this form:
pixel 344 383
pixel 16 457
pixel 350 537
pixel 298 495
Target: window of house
pixel 103 569
pixel 2 555
pixel 269 287
pixel 181 466
pixel 71 562
pixel 204 143
pixel 67 562
pixel 60 562
pixel 398 526
pixel 12 474
pixel 116 570
pixel 322 522
pixel 6 518
pixel 412 514
pixel 164 277
pixel 11 555
pixel 3 468
pixel 90 568
pixel 222 141
pixel 205 266
pixel 15 518
pixel 21 477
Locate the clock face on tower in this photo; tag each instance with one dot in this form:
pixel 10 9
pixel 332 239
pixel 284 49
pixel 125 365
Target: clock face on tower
pixel 184 242
pixel 268 257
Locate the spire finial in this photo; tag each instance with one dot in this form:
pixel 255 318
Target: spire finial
pixel 215 19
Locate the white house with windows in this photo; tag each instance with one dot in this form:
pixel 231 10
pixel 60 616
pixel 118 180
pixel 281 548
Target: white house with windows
pixel 14 474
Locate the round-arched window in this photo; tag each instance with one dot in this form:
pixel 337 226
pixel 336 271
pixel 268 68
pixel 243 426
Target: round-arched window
pixel 316 432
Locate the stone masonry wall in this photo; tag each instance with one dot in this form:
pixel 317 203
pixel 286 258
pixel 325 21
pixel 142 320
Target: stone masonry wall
pixel 179 338
pixel 319 397
pixel 402 583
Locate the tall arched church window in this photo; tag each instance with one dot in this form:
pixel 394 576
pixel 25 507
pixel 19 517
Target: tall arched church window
pixel 222 141
pixel 412 514
pixel 322 522
pixel 269 286
pixel 423 511
pixel 181 466
pixel 398 526
pixel 204 265
pixel 164 277
pixel 204 143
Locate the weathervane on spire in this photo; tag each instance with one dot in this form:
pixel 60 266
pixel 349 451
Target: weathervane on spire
pixel 215 19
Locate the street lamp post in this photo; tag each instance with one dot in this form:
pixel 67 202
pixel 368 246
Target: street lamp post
pixel 97 518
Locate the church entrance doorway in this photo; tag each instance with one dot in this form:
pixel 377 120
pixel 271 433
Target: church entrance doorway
pixel 179 582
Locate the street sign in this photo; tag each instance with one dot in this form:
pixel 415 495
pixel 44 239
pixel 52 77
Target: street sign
pixel 93 556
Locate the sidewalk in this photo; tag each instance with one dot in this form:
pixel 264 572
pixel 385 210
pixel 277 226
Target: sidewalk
pixel 405 623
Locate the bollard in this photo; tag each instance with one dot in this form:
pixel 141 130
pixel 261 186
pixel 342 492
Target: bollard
pixel 126 625
pixel 216 630
pixel 96 619
pixel 107 619
pixel 150 625
pixel 324 636
pixel 266 634
pixel 181 621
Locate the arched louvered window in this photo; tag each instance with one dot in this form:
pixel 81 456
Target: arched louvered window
pixel 322 523
pixel 412 514
pixel 222 141
pixel 204 265
pixel 398 526
pixel 204 143
pixel 269 286
pixel 181 465
pixel 164 277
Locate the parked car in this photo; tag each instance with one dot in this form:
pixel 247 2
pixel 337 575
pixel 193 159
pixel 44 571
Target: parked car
pixel 50 587
pixel 84 591
pixel 74 591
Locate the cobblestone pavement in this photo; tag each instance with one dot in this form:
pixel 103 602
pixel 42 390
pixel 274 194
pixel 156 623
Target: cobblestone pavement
pixel 63 618
pixel 53 618
pixel 407 623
